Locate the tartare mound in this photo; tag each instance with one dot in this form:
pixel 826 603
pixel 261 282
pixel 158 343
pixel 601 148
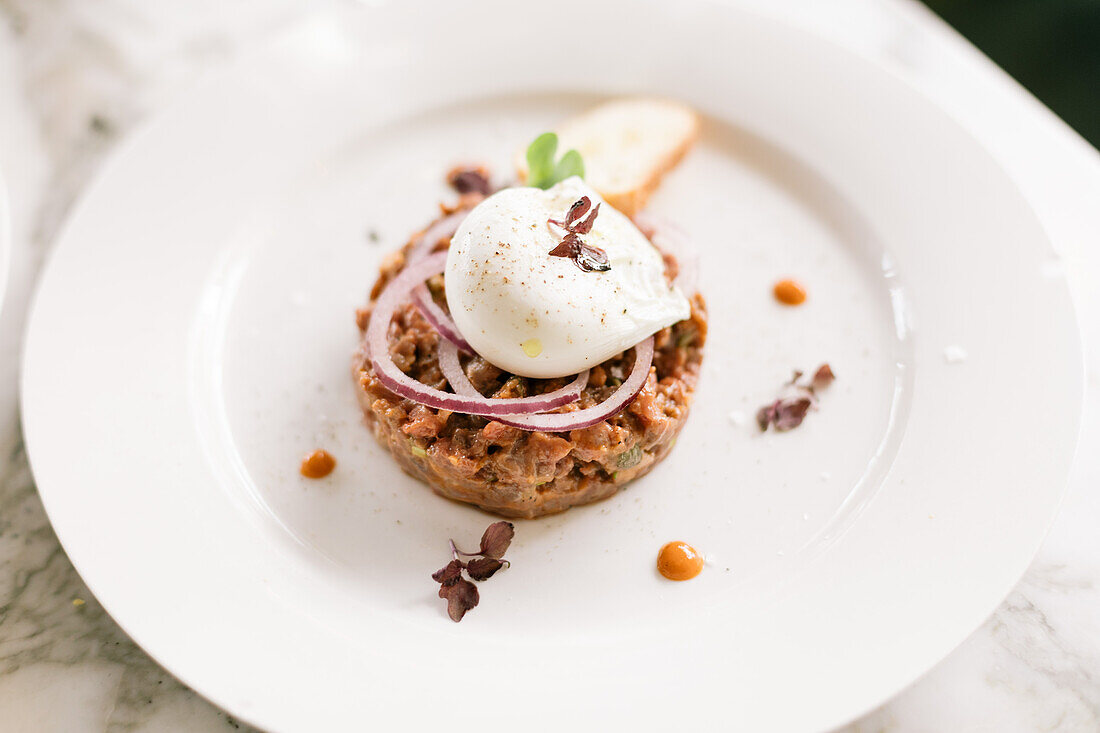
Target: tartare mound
pixel 513 472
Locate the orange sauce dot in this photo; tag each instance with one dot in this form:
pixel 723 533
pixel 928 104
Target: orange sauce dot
pixel 790 292
pixel 318 464
pixel 679 561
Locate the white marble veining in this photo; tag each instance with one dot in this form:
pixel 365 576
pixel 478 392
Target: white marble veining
pixel 76 75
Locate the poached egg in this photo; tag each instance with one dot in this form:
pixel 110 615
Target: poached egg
pixel 537 315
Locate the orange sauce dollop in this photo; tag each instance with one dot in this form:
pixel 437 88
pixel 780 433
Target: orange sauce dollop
pixel 318 464
pixel 679 561
pixel 790 292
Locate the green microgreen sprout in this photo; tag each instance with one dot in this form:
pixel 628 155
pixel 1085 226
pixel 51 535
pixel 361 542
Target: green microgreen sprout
pixel 543 171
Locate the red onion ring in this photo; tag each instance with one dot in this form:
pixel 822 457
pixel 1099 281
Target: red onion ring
pixel 671 239
pixel 444 228
pixel 395 380
pixel 440 320
pixel 422 299
pixel 613 405
pixel 561 421
pixel 452 370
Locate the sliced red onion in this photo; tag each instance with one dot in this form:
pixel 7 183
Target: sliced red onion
pixel 453 372
pixel 444 228
pixel 671 239
pixel 402 384
pixel 613 405
pixel 422 298
pixel 561 421
pixel 440 320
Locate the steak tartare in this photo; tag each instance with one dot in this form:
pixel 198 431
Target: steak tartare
pixel 508 470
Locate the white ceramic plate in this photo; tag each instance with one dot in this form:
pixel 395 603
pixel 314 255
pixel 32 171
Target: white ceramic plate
pixel 190 341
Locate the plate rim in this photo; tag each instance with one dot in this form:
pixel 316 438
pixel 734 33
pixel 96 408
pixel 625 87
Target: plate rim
pixel 6 243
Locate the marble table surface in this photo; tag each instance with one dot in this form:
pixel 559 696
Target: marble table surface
pixel 77 75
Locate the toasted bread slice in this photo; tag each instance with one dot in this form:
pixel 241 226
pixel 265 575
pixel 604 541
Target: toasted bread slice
pixel 628 144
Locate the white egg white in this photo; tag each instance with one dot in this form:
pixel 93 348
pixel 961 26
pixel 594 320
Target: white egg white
pixel 541 316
